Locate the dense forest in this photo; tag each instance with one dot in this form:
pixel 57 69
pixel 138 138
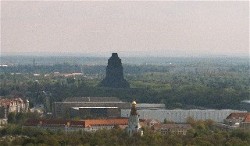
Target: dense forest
pixel 220 83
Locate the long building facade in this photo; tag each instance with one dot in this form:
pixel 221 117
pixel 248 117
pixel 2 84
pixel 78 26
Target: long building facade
pixel 181 116
pixel 90 125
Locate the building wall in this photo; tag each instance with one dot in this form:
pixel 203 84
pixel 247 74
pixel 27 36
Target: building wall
pixel 174 131
pixel 62 109
pixel 84 113
pixel 76 125
pixel 180 116
pixel 245 125
pixel 72 129
pixel 115 112
pixel 14 105
pixel 96 112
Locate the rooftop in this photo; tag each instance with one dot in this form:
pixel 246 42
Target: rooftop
pixel 78 123
pixel 175 126
pixel 247 118
pixel 106 122
pixel 150 105
pixel 92 99
pixel 10 101
pixel 77 108
pixel 237 115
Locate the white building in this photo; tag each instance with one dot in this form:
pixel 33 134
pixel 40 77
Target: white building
pixel 180 116
pixel 9 105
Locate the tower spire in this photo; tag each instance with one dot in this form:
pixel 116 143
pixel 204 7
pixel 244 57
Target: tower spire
pixel 133 109
pixel 133 121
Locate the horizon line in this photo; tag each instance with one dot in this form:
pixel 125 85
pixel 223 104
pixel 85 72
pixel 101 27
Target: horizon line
pixel 121 54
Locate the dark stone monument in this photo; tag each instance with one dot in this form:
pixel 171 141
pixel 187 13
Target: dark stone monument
pixel 114 73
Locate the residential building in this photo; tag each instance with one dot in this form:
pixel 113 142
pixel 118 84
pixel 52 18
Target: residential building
pixel 238 120
pixel 173 128
pixel 170 128
pixel 235 118
pixel 149 122
pixel 9 105
pixel 245 124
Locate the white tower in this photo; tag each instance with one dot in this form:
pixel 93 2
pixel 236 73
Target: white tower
pixel 27 105
pixel 133 121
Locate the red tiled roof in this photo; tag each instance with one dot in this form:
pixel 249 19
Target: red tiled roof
pixel 247 119
pixel 106 122
pixel 84 123
pixel 237 115
pixel 9 102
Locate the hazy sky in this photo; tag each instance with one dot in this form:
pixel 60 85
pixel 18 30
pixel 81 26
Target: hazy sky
pixel 170 28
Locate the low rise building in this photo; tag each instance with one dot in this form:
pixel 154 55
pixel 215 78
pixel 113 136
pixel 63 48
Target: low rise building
pixel 238 120
pixel 170 128
pixel 235 118
pixel 173 128
pixel 10 105
pixel 245 124
pixel 149 122
pixel 77 125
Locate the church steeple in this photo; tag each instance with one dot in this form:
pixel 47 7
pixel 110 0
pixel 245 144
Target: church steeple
pixel 133 109
pixel 133 121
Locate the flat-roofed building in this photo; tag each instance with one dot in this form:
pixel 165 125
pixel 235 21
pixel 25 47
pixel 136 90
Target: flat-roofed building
pixel 89 107
pixel 152 106
pixel 180 129
pixel 92 112
pixel 181 116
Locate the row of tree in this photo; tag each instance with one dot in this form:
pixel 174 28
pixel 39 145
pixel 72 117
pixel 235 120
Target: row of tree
pixel 203 133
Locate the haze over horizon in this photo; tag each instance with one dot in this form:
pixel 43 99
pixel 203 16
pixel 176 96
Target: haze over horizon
pixel 160 29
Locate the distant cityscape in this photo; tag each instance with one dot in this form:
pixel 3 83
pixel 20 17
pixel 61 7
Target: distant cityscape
pixel 124 73
pixel 140 97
